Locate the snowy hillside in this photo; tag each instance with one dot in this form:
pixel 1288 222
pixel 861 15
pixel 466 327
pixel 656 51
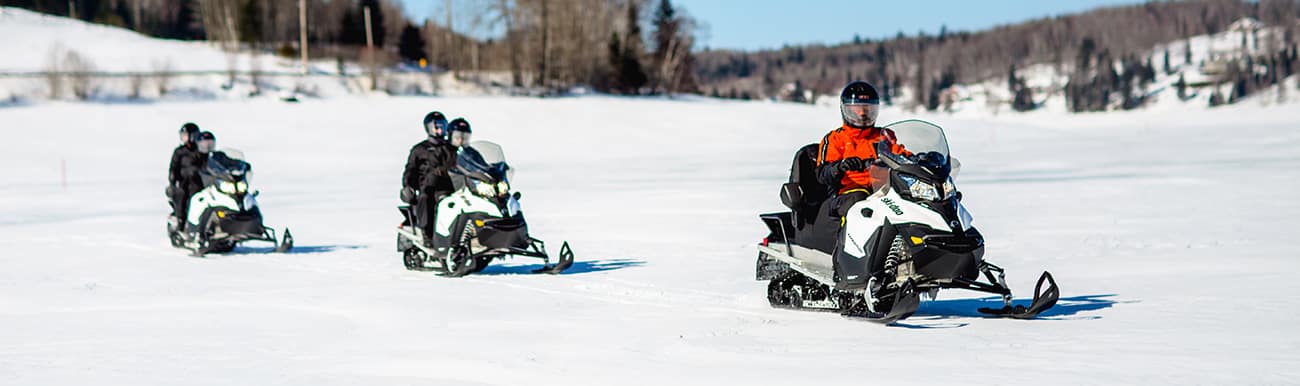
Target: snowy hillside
pixel 41 43
pixel 1201 69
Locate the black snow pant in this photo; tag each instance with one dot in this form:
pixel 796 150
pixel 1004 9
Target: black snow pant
pixel 181 201
pixel 425 211
pixel 850 272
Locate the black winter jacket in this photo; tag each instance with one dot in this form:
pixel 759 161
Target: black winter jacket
pixel 186 166
pixel 427 166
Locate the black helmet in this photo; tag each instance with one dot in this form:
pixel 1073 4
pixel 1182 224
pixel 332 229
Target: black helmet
pixel 435 125
pixel 189 133
pixel 206 142
pixel 859 104
pixel 458 132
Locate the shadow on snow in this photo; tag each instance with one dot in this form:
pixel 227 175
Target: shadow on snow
pixel 297 249
pixel 578 267
pixel 1067 308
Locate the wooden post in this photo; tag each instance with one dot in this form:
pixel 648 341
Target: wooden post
pixel 370 39
pixel 72 9
pixel 302 33
pixel 372 62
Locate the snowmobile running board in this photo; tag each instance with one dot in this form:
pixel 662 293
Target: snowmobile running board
pixel 823 274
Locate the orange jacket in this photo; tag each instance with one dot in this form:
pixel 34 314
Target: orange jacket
pixel 846 142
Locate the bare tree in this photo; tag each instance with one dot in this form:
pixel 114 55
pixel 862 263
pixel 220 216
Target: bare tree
pixel 135 85
pixel 81 75
pixel 54 77
pixel 163 74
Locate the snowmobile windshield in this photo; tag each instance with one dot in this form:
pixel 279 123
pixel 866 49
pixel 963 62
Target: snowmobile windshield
pixel 483 159
pixel 228 165
pixel 924 140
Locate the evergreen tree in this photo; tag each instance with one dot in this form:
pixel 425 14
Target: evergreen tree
pixel 250 23
pixel 1012 80
pixel 1181 85
pixel 631 75
pixel 1169 70
pixel 411 44
pixel 1024 100
pixel 186 24
pixel 352 28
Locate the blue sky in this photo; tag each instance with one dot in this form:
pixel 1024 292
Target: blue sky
pixel 755 24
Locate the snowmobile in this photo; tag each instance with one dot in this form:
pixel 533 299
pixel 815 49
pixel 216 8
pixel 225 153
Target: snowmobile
pixel 225 212
pixel 479 222
pixel 911 237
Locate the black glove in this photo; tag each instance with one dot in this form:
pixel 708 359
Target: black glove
pixel 852 164
pixel 408 195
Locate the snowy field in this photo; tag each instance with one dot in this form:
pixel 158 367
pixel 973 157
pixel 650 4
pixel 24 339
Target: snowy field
pixel 1169 233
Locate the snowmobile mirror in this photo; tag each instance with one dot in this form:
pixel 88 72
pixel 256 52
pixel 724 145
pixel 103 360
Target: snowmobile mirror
pixel 791 195
pixel 956 166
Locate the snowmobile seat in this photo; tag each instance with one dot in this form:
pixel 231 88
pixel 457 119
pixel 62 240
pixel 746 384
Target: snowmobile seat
pixel 804 192
pixel 806 197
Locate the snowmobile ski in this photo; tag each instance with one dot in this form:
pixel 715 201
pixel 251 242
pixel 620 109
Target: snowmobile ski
pixel 1043 300
pixel 286 242
pixel 566 261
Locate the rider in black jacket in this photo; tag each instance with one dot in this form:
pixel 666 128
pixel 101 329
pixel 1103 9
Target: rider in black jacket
pixel 183 178
pixel 425 179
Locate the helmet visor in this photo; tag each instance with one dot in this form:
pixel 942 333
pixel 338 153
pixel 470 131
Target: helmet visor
pixel 185 137
pixel 860 115
pixel 436 128
pixel 207 145
pixel 460 138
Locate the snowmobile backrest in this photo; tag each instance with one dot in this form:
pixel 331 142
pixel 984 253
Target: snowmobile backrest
pixel 803 174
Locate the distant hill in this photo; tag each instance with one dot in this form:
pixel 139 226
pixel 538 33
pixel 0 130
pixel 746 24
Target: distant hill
pixel 922 70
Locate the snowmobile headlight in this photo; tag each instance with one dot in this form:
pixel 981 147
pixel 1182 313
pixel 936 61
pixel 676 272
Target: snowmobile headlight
pixel 484 189
pixel 503 188
pixel 919 189
pixel 226 187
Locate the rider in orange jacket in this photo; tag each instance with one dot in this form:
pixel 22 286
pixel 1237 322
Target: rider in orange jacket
pixel 844 157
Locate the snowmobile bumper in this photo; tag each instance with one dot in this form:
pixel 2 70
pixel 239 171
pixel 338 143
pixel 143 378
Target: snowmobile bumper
pixel 944 255
pixel 240 225
pixel 503 233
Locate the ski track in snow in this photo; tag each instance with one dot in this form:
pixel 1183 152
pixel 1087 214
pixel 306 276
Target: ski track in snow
pixel 1166 230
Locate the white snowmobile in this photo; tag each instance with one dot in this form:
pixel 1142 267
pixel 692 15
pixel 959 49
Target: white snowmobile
pixel 479 222
pixel 225 212
pixel 912 236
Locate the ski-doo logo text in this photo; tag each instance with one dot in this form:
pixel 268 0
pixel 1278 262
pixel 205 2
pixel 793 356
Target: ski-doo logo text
pixel 892 206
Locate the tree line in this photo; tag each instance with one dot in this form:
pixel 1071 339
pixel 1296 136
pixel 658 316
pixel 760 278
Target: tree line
pixel 546 46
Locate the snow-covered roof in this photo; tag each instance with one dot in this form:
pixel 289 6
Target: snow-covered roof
pixel 1246 24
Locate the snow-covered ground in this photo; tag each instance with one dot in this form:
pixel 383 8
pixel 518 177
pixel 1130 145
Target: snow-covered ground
pixel 1168 230
pixel 1170 233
